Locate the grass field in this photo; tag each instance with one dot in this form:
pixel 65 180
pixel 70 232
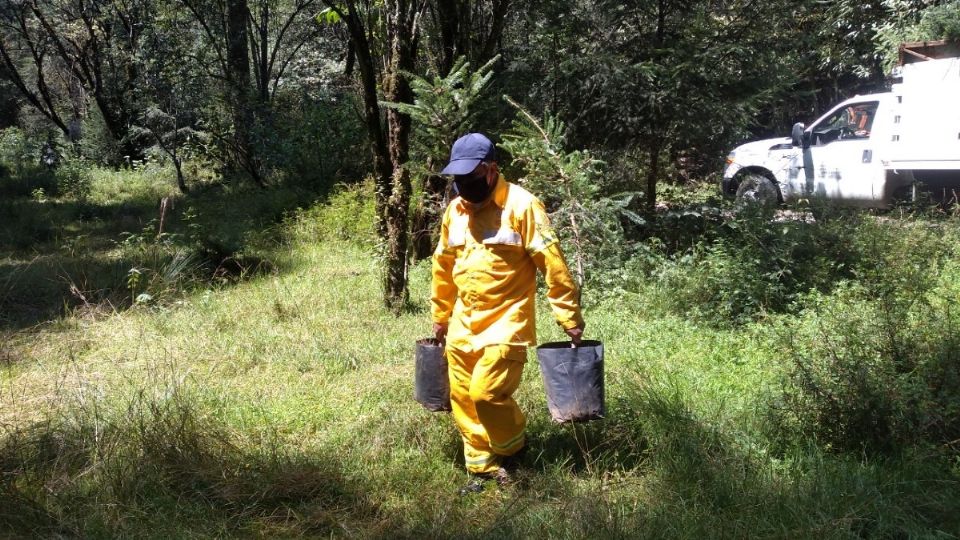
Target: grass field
pixel 280 405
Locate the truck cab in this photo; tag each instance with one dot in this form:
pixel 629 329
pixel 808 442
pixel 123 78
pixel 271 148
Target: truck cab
pixel 836 158
pixel 866 150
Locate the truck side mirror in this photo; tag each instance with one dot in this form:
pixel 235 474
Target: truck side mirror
pixel 799 136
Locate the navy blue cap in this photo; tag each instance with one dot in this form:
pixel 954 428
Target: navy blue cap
pixel 468 152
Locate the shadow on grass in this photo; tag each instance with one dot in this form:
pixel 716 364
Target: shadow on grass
pixel 44 288
pixel 657 469
pixel 413 308
pixel 164 469
pixel 167 467
pixel 59 256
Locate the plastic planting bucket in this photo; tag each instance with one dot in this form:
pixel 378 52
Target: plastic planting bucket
pixel 431 386
pixel 573 379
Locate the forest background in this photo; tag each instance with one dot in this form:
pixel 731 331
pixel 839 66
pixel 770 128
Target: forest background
pixel 208 207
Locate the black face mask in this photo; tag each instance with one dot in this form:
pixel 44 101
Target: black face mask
pixel 473 189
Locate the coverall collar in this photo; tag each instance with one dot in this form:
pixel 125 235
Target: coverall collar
pixel 498 198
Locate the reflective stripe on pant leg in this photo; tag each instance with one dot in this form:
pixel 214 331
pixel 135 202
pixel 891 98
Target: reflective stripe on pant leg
pixel 476 450
pixel 495 378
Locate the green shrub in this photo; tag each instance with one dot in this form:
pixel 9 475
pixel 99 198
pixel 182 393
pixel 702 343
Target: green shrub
pixel 21 172
pixel 159 267
pixel 690 194
pixel 936 21
pixel 574 190
pixel 348 214
pixel 311 143
pixel 16 149
pixel 749 265
pixel 140 187
pixel 898 260
pixel 235 223
pixel 98 144
pixel 872 373
pixel 942 21
pixel 721 285
pixel 74 180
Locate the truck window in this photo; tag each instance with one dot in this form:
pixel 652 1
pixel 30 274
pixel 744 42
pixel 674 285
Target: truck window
pixel 852 122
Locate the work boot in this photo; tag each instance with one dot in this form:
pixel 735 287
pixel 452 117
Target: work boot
pixel 502 476
pixel 475 485
pixel 512 462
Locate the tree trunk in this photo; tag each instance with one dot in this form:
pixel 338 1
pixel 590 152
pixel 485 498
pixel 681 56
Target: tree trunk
pixel 653 172
pixel 382 167
pixel 462 34
pixel 263 54
pixel 392 177
pixel 395 293
pixel 238 80
pixel 402 19
pixel 489 48
pixel 181 181
pixel 351 60
pixel 448 19
pixel 426 217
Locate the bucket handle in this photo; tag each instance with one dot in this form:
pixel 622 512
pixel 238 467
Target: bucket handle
pixel 573 344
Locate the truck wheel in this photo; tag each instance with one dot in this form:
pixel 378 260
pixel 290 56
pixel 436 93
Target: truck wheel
pixel 758 189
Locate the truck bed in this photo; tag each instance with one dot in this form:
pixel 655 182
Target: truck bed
pixel 926 133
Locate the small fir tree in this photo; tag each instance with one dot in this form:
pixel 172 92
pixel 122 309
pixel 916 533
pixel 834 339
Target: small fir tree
pixel 444 108
pixel 570 183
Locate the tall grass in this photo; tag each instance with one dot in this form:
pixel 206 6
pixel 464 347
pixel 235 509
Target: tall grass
pixel 281 406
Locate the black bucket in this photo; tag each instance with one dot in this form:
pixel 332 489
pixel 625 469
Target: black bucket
pixel 573 379
pixel 431 385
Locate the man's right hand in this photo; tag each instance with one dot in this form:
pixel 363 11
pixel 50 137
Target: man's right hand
pixel 440 331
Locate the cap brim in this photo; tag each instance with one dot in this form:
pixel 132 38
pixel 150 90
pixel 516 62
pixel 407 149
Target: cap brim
pixel 461 166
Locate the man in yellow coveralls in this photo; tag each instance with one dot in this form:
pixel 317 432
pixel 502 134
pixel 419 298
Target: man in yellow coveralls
pixel 494 238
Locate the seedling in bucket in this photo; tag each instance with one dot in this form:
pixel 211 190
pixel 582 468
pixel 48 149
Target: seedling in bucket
pixel 573 376
pixel 573 380
pixel 431 387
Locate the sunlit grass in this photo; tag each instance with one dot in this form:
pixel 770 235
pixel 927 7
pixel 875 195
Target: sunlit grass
pixel 281 405
pixel 149 183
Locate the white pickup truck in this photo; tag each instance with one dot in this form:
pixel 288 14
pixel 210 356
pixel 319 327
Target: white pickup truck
pixel 866 151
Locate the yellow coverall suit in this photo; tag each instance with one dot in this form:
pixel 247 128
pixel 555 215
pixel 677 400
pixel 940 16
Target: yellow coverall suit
pixel 484 287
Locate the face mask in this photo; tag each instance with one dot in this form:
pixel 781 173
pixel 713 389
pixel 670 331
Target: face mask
pixel 473 189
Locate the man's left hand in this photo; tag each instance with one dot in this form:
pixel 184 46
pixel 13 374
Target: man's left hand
pixel 576 334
